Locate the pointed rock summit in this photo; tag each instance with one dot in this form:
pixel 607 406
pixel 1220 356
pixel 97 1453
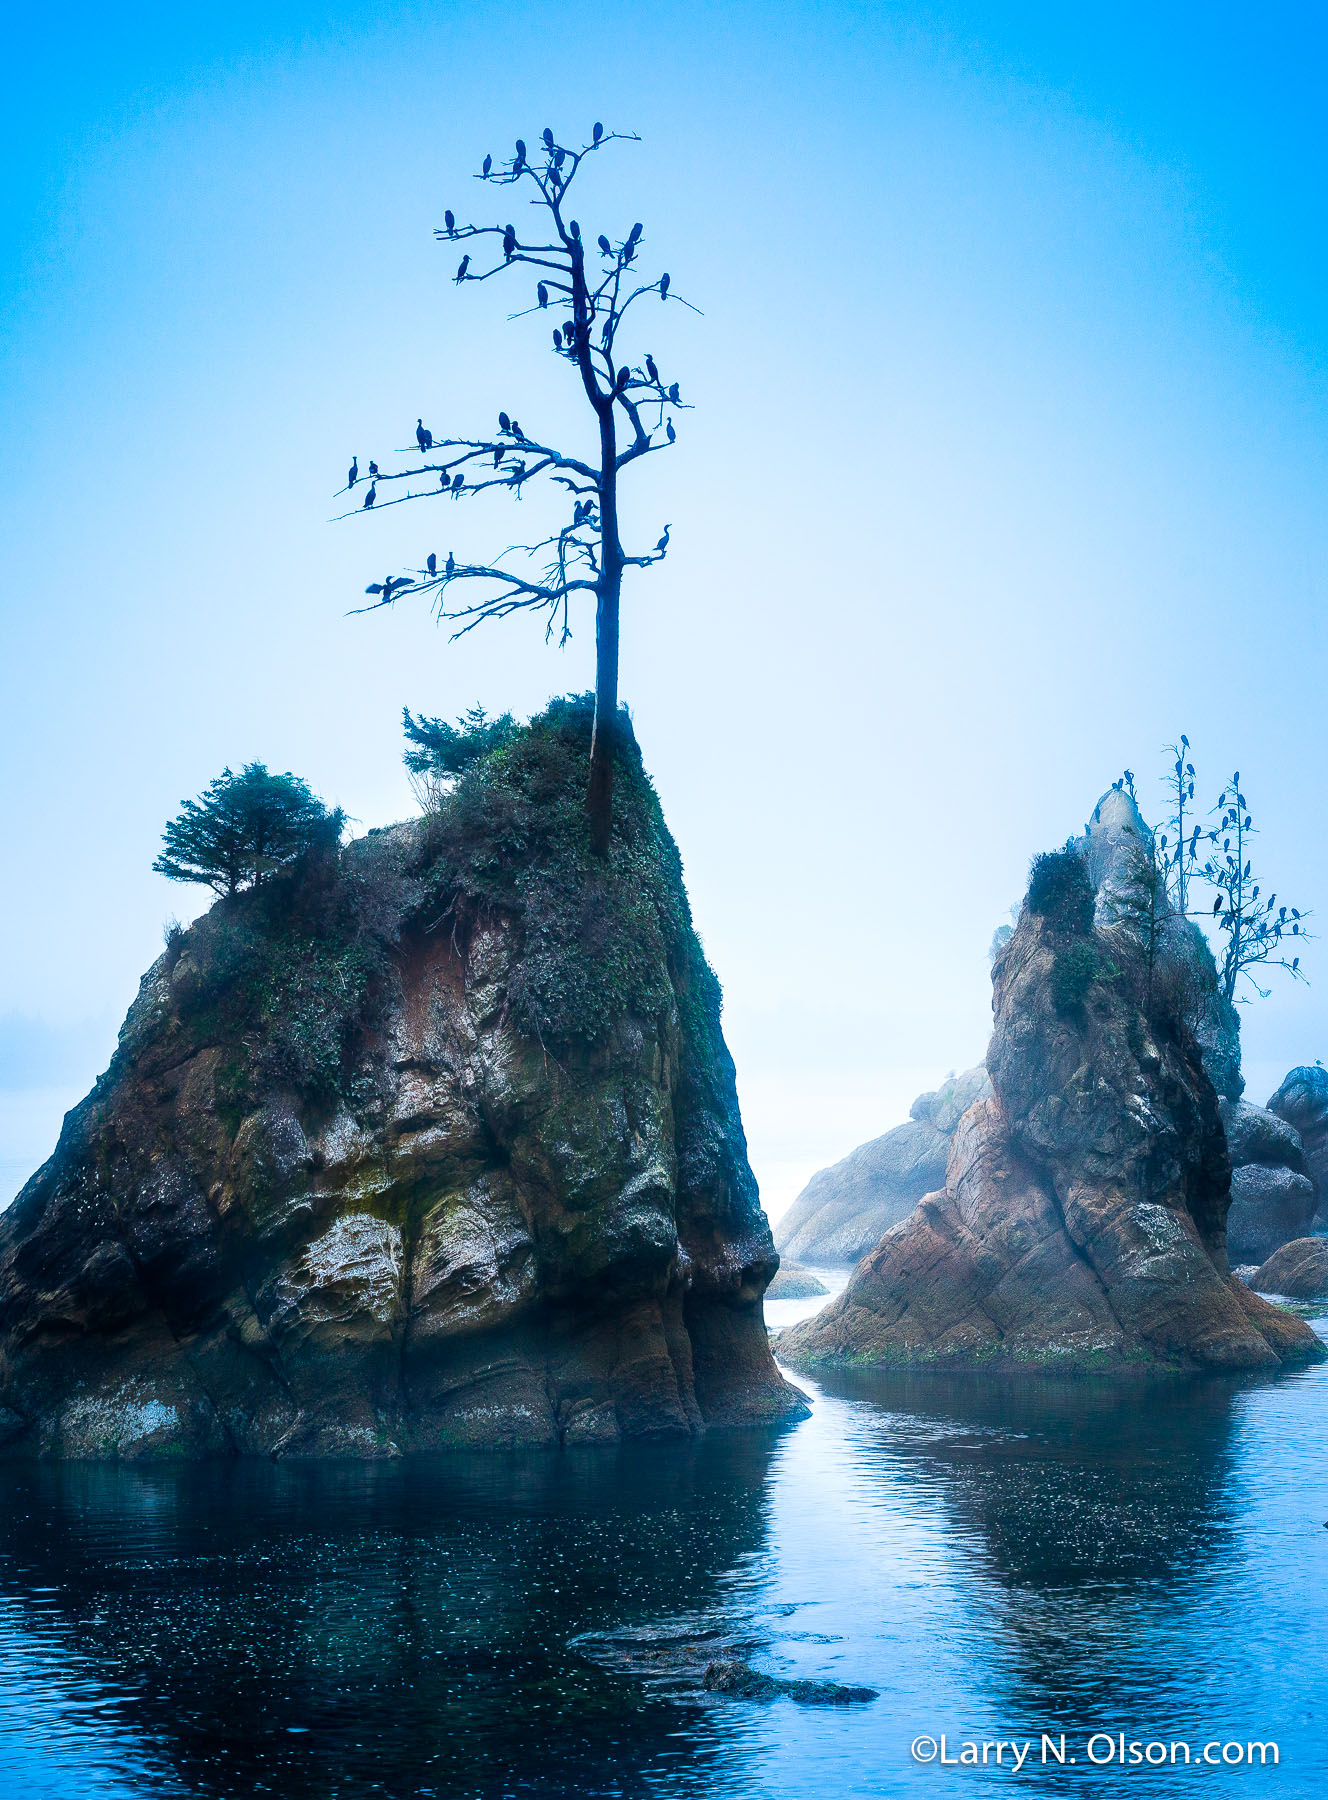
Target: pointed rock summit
pixel 1082 1220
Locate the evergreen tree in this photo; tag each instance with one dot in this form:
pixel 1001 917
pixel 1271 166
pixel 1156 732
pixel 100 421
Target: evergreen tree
pixel 245 827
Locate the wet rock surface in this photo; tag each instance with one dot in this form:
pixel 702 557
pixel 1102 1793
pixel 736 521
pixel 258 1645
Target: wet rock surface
pixel 1082 1223
pixel 437 1143
pixel 1299 1270
pixel 1302 1101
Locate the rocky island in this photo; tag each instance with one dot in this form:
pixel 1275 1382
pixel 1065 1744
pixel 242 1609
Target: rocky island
pixel 1082 1221
pixel 432 1140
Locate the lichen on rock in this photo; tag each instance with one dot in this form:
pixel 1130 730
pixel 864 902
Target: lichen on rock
pixel 434 1140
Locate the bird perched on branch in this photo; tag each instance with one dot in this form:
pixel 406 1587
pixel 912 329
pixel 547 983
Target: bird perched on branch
pixel 449 568
pixel 651 370
pixel 431 563
pixel 669 432
pixel 663 287
pixel 663 543
pixel 673 394
pixel 542 294
pixel 597 133
pixel 462 266
pixel 369 499
pixel 458 482
pixel 353 473
pixel 509 243
pixel 504 423
pixel 373 468
pixel 605 246
pixel 423 436
pixel 488 164
pixel 520 161
pixel 449 222
pixel 390 588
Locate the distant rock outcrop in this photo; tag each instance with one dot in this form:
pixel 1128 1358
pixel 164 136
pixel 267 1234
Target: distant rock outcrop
pixel 1302 1100
pixel 1082 1221
pixel 435 1142
pixel 843 1210
pixel 1299 1270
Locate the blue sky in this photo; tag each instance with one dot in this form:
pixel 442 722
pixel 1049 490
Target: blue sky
pixel 1007 465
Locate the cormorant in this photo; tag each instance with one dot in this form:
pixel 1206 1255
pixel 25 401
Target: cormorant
pixel 542 294
pixel 663 543
pixel 509 243
pixel 462 267
pixel 504 423
pixel 449 220
pixel 449 568
pixel 520 162
pixel 673 394
pixel 369 498
pixel 548 138
pixel 488 164
pixel 669 432
pixel 373 468
pixel 605 245
pixel 423 436
pixel 353 474
pixel 557 337
pixel 651 370
pixel 597 133
pixel 663 287
pixel 458 482
pixel 431 563
pixel 1217 905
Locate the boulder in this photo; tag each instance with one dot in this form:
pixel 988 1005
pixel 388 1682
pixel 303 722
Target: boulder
pixel 843 1210
pixel 1269 1207
pixel 1082 1222
pixel 1302 1100
pixel 433 1142
pixel 1299 1270
pixel 793 1283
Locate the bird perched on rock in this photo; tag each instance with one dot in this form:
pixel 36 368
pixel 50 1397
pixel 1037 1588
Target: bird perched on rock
pixel 369 498
pixel 462 266
pixel 423 436
pixel 353 473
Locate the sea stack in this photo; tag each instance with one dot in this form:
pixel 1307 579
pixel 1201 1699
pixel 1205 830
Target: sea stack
pixel 1082 1222
pixel 433 1141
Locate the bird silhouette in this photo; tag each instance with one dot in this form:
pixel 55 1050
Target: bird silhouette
pixel 597 133
pixel 520 161
pixel 633 239
pixel 431 563
pixel 488 164
pixel 517 432
pixel 574 230
pixel 462 266
pixel 663 543
pixel 449 220
pixel 557 337
pixel 548 138
pixel 624 376
pixel 504 423
pixel 605 245
pixel 369 498
pixel 1295 912
pixel 458 482
pixel 353 473
pixel 509 243
pixel 423 436
pixel 673 393
pixel 449 568
pixel 663 287
pixel 669 432
pixel 498 455
pixel 542 294
pixel 1217 905
pixel 651 370
pixel 373 468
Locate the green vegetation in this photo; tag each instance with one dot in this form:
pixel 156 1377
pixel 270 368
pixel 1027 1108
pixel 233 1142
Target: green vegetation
pixel 1061 890
pixel 440 750
pixel 245 827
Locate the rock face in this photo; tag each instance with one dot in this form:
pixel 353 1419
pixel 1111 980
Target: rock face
pixel 1299 1270
pixel 1082 1220
pixel 433 1143
pixel 1272 1196
pixel 1302 1100
pixel 843 1210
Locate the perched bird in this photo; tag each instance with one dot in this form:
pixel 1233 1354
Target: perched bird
pixel 651 370
pixel 1295 912
pixel 548 138
pixel 663 287
pixel 597 133
pixel 605 245
pixel 488 164
pixel 369 498
pixel 517 432
pixel 504 423
pixel 669 432
pixel 423 436
pixel 574 230
pixel 542 294
pixel 389 588
pixel 498 455
pixel 458 482
pixel 449 220
pixel 444 481
pixel 353 474
pixel 663 543
pixel 557 337
pixel 673 393
pixel 431 563
pixel 449 568
pixel 462 267
pixel 1295 962
pixel 1217 905
pixel 624 376
pixel 509 243
pixel 373 468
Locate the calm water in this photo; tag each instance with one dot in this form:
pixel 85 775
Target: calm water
pixel 997 1561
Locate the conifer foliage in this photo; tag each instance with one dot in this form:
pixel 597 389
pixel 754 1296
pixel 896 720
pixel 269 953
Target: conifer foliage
pixel 245 827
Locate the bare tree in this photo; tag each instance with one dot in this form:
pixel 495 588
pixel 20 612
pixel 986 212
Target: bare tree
pixel 1257 931
pixel 1178 845
pixel 585 556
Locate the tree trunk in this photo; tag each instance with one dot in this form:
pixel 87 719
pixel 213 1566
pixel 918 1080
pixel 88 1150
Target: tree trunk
pixel 599 790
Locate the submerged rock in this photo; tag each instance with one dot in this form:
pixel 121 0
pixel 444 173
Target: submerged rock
pixel 435 1142
pixel 1298 1270
pixel 1082 1220
pixel 844 1209
pixel 740 1682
